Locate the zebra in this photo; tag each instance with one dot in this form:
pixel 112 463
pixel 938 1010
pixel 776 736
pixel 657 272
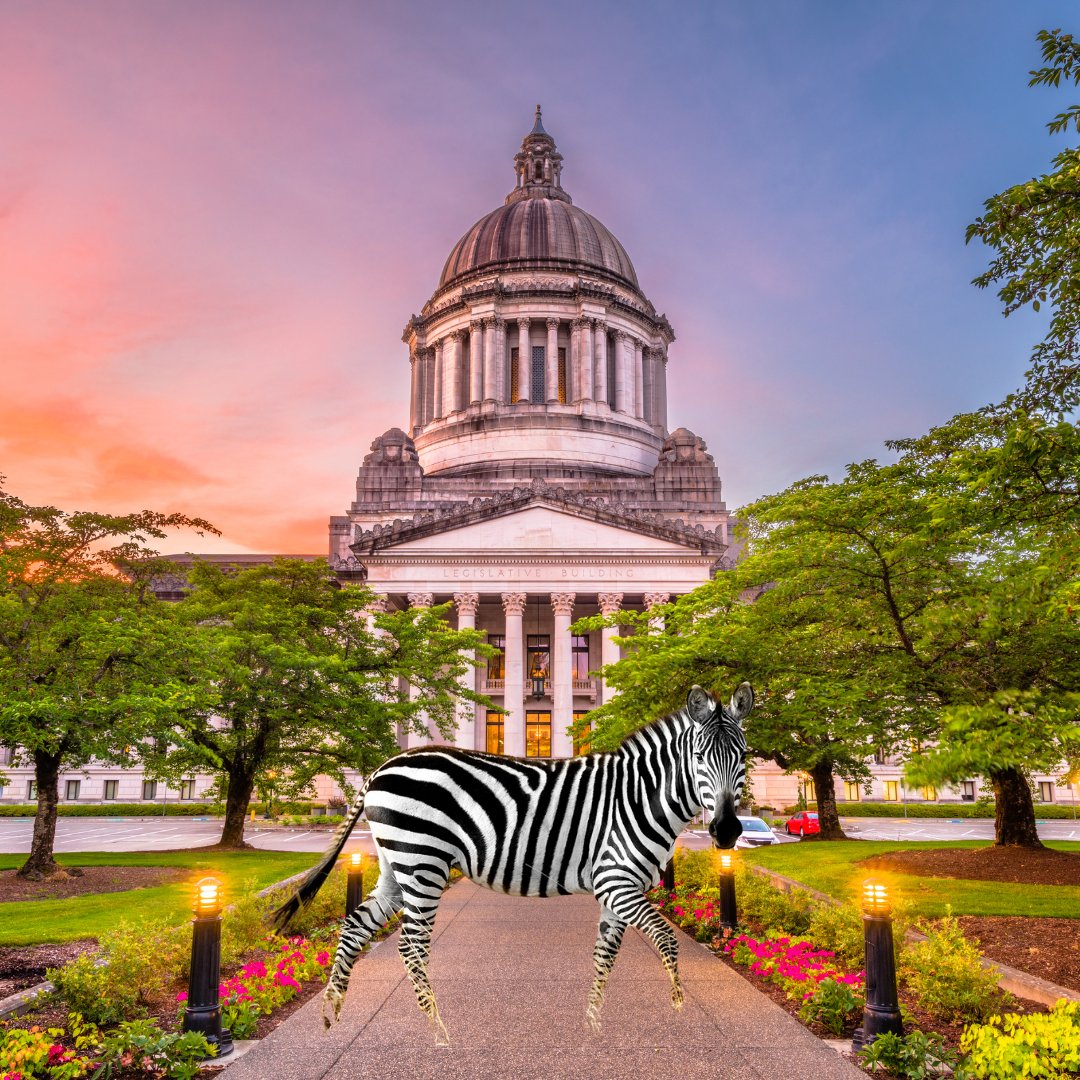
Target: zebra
pixel 603 823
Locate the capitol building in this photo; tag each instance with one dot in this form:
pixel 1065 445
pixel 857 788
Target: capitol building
pixel 537 480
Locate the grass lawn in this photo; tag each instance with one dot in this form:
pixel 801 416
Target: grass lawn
pixel 31 922
pixel 831 867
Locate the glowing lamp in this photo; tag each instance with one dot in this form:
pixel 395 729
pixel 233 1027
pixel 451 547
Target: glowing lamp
pixel 537 676
pixel 356 860
pixel 875 898
pixel 727 862
pixel 208 897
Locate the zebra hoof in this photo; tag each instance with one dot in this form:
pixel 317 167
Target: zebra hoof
pixel 332 1002
pixel 677 997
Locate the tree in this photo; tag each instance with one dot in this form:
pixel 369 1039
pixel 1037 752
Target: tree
pixel 308 679
pixel 85 651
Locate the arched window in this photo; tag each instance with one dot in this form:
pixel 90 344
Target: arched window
pixel 538 171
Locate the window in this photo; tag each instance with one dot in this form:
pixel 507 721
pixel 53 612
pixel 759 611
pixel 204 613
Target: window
pixel 1046 791
pixel 31 790
pixel 538 734
pixel 582 744
pixel 929 794
pixel 892 791
pixel 562 376
pixel 187 789
pixel 879 755
pixel 967 791
pixel 851 791
pixel 1 791
pixel 149 790
pixel 71 790
pixel 497 664
pixel 539 658
pixel 110 789
pixel 579 656
pixel 537 388
pixel 495 733
pixel 514 381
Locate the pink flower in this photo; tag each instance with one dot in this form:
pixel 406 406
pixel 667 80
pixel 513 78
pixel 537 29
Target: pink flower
pixel 285 980
pixel 182 996
pixel 322 959
pixel 256 969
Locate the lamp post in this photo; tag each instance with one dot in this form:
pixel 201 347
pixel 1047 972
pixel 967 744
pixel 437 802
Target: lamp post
pixel 203 1010
pixel 882 1009
pixel 354 882
pixel 729 911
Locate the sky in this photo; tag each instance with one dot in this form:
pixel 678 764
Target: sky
pixel 216 216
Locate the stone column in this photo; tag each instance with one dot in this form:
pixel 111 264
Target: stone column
pixel 422 600
pixel 428 356
pixel 648 367
pixel 551 362
pixel 609 649
pixel 440 366
pixel 562 677
pixel 502 391
pixel 414 391
pixel 656 599
pixel 467 736
pixel 584 362
pixel 491 384
pixel 514 671
pixel 624 393
pixel 524 361
pixel 639 380
pixel 476 362
pixel 599 329
pixel 661 389
pixel 452 372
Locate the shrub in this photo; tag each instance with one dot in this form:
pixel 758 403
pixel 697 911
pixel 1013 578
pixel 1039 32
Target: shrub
pixel 762 903
pixel 945 975
pixel 1043 1044
pixel 839 927
pixel 142 1046
pixel 913 1056
pixel 696 870
pixel 833 1003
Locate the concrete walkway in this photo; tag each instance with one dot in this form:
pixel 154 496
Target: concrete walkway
pixel 511 976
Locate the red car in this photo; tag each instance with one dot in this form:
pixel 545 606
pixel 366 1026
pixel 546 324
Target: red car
pixel 804 823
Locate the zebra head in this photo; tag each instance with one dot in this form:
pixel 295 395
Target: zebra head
pixel 719 746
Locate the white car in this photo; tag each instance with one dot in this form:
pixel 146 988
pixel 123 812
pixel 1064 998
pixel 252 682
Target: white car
pixel 755 833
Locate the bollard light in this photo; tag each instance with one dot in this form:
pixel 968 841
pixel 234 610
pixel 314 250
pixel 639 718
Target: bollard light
pixel 203 1010
pixel 354 882
pixel 882 1009
pixel 729 910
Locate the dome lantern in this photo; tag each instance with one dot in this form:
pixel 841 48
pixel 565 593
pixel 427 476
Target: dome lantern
pixel 538 166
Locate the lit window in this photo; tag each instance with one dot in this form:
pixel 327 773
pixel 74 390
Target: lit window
pixel 1046 791
pixel 514 382
pixel 187 789
pixel 892 791
pixel 562 376
pixel 582 742
pixel 495 733
pixel 538 734
pixel 851 791
pixel 539 657
pixel 929 794
pixel 579 656
pixel 110 789
pixel 71 790
pixel 497 664
pixel 149 790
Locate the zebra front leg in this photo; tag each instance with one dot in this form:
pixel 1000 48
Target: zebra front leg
pixel 373 914
pixel 415 949
pixel 633 908
pixel 608 940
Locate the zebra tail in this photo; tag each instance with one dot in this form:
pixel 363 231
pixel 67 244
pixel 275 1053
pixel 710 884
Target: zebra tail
pixel 313 880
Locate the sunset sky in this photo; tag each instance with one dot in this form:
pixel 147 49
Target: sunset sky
pixel 216 218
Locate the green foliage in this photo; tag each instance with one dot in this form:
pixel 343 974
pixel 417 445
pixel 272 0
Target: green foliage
pixel 839 928
pixel 832 1004
pixel 762 903
pixel 32 1053
pixel 982 808
pixel 1040 1045
pixel 111 809
pixel 328 906
pixel 945 975
pixel 696 870
pixel 142 1046
pixel 913 1056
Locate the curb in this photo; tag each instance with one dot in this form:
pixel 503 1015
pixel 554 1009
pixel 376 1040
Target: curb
pixel 1016 982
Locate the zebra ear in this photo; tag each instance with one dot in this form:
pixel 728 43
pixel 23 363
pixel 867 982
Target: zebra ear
pixel 699 704
pixel 742 701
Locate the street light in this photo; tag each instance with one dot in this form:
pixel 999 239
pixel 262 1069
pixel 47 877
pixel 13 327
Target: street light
pixel 203 1010
pixel 881 1012
pixel 354 882
pixel 729 911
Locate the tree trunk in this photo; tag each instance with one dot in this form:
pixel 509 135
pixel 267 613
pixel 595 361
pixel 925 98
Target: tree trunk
pixel 47 778
pixel 828 818
pixel 236 807
pixel 1014 819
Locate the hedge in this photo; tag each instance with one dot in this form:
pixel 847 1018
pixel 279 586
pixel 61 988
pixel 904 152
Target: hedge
pixel 936 810
pixel 150 809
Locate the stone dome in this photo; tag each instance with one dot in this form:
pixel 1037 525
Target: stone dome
pixel 539 233
pixel 539 227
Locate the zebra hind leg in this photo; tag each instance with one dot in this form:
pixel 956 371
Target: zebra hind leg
pixel 415 949
pixel 373 914
pixel 634 909
pixel 608 939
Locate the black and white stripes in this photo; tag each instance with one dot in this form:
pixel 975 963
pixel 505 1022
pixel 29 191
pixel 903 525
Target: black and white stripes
pixel 605 823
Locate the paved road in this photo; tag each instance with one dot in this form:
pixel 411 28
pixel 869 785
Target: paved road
pixel 165 834
pixel 511 977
